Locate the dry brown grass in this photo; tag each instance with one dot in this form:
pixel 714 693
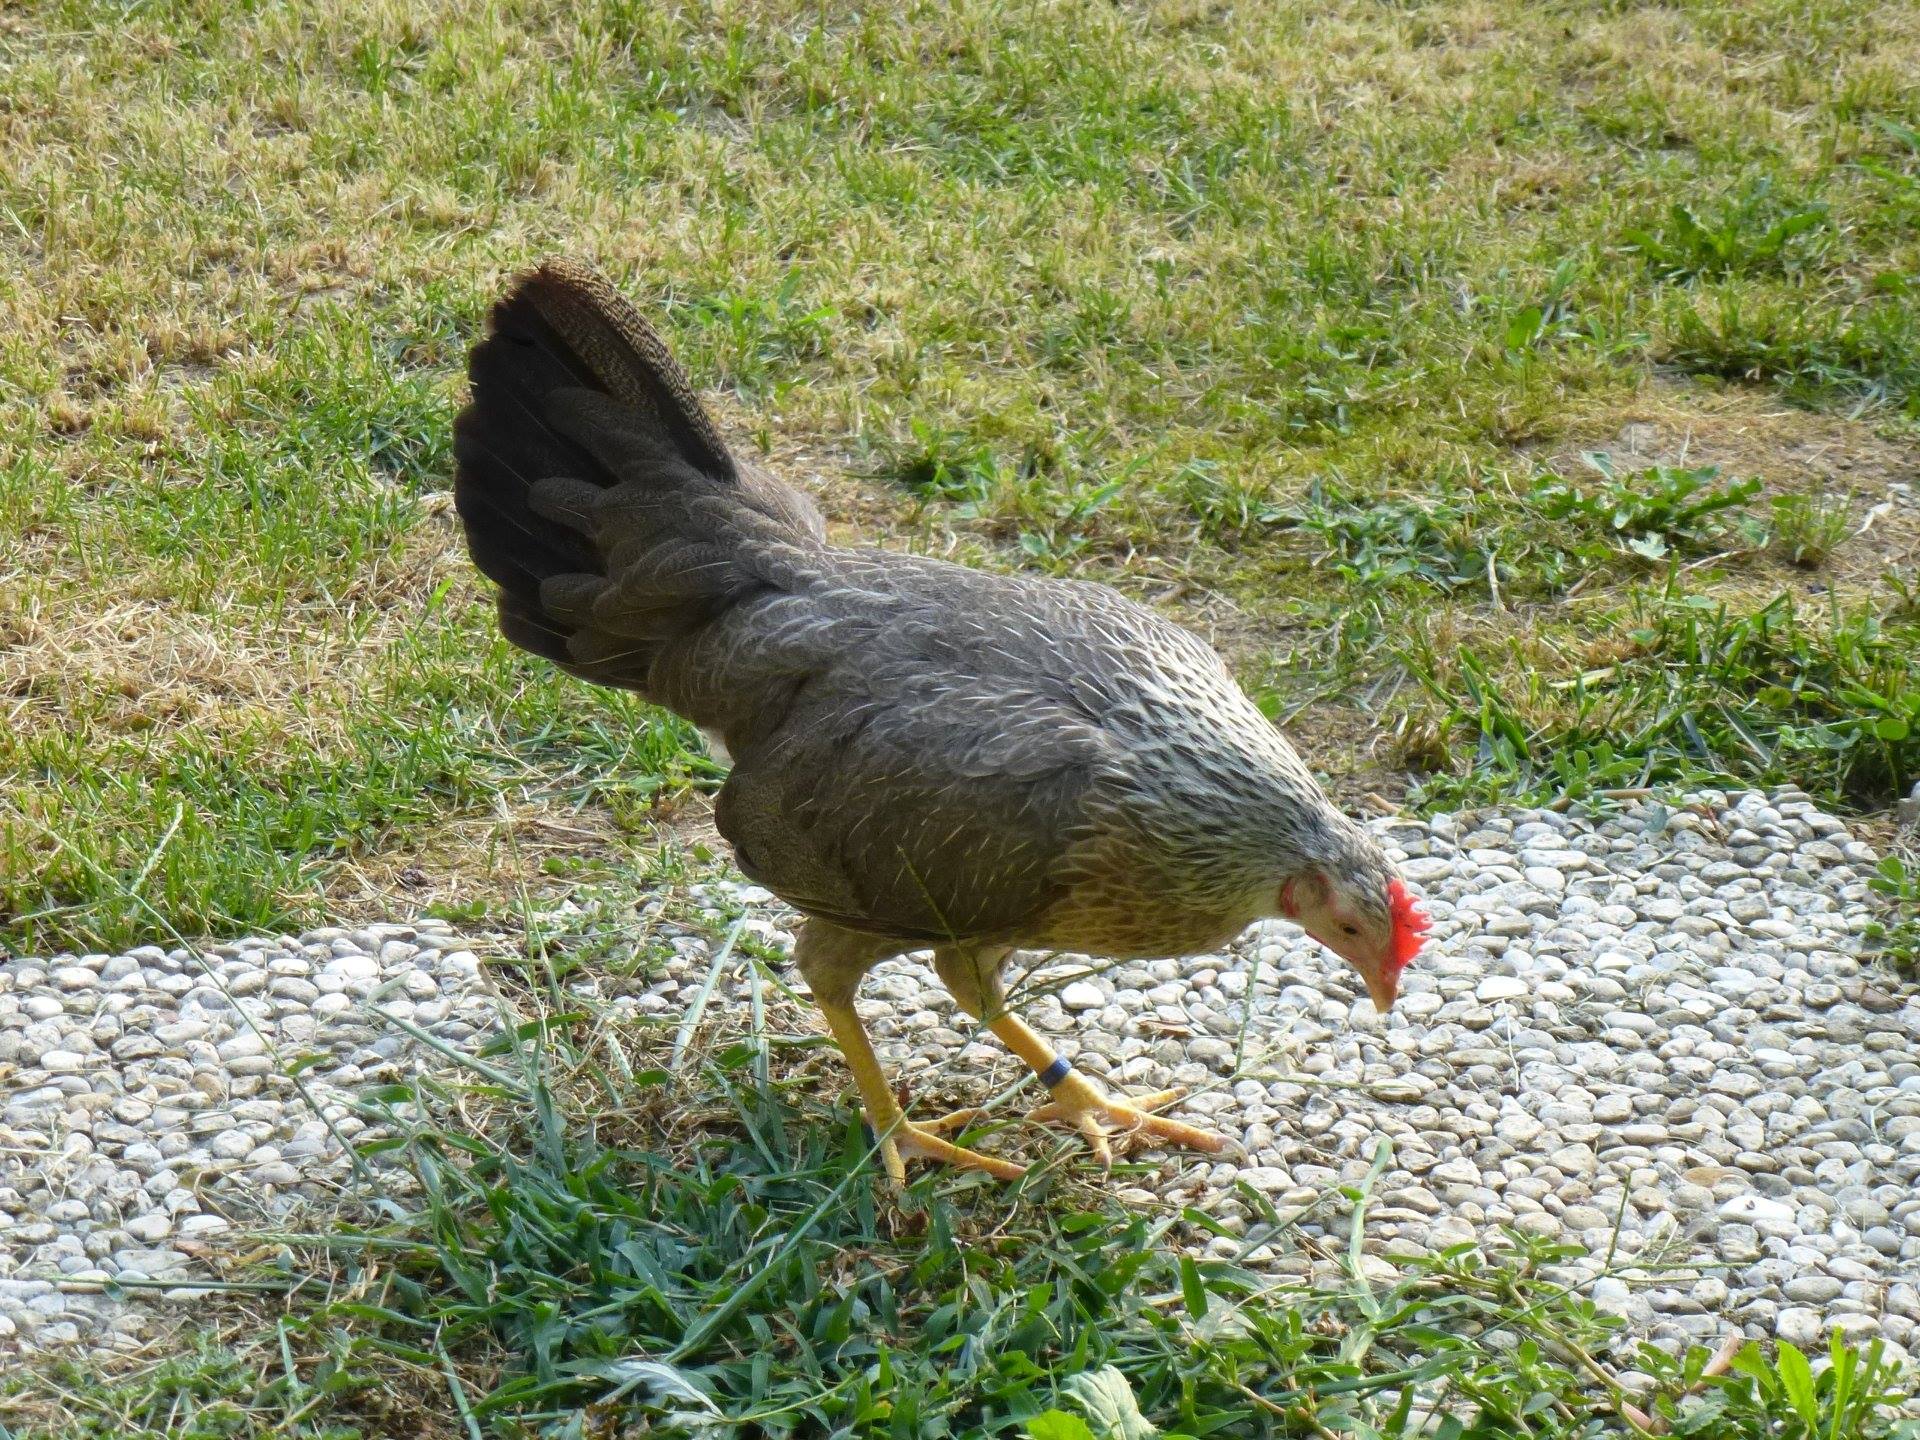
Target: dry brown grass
pixel 1074 245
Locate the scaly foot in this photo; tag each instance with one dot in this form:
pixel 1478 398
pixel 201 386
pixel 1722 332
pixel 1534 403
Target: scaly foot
pixel 1102 1118
pixel 922 1142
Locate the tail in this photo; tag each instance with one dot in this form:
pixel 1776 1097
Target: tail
pixel 596 492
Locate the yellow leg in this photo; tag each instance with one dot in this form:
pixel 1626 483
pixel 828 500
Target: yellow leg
pixel 900 1139
pixel 972 973
pixel 1094 1113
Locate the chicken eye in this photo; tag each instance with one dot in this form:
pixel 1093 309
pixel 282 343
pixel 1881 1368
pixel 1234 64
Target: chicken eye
pixel 1349 930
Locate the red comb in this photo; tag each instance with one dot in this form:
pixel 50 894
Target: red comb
pixel 1410 923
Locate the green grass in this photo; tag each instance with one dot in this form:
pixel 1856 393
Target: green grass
pixel 1700 694
pixel 1897 933
pixel 1146 293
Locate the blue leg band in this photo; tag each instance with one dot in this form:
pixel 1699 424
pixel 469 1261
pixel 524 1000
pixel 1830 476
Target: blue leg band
pixel 1056 1072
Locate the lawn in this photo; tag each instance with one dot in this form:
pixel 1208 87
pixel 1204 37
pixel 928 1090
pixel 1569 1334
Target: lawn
pixel 1293 320
pixel 1524 396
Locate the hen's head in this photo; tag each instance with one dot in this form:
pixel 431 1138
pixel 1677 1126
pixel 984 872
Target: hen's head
pixel 1354 904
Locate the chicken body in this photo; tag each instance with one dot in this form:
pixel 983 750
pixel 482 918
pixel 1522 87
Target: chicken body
pixel 924 755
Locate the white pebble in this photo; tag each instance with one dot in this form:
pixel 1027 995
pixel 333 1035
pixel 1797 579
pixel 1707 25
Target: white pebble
pixel 1082 995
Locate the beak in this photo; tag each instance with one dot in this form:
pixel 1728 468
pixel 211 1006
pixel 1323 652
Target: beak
pixel 1384 987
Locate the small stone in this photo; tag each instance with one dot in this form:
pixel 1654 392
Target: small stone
pixel 1612 1109
pixel 231 1144
pixel 1884 1239
pixel 1812 1289
pixel 1616 1297
pixel 1572 1160
pixel 149 1228
pixel 1267 1179
pixel 1082 995
pixel 353 967
pixel 1799 1327
pixel 243 1044
pixel 1759 1211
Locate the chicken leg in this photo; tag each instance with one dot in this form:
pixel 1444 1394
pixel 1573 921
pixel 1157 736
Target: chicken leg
pixel 833 961
pixel 972 974
pixel 900 1139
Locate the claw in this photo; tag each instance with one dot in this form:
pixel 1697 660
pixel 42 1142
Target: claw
pixel 1102 1119
pixel 920 1142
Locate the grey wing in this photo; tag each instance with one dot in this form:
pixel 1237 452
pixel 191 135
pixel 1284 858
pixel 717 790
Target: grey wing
pixel 928 810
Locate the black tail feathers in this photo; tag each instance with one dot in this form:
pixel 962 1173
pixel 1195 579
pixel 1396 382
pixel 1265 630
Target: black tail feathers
pixel 593 488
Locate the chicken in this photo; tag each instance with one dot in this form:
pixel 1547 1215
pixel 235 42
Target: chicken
pixel 923 755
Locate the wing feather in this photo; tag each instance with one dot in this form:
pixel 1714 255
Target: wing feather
pixel 943 815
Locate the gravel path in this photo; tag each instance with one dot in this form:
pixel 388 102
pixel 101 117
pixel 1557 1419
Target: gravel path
pixel 146 1112
pixel 1651 1036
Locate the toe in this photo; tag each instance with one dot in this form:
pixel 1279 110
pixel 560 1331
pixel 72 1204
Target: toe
pixel 1191 1136
pixel 948 1124
pixel 1129 1122
pixel 1095 1135
pixel 917 1142
pixel 1159 1099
